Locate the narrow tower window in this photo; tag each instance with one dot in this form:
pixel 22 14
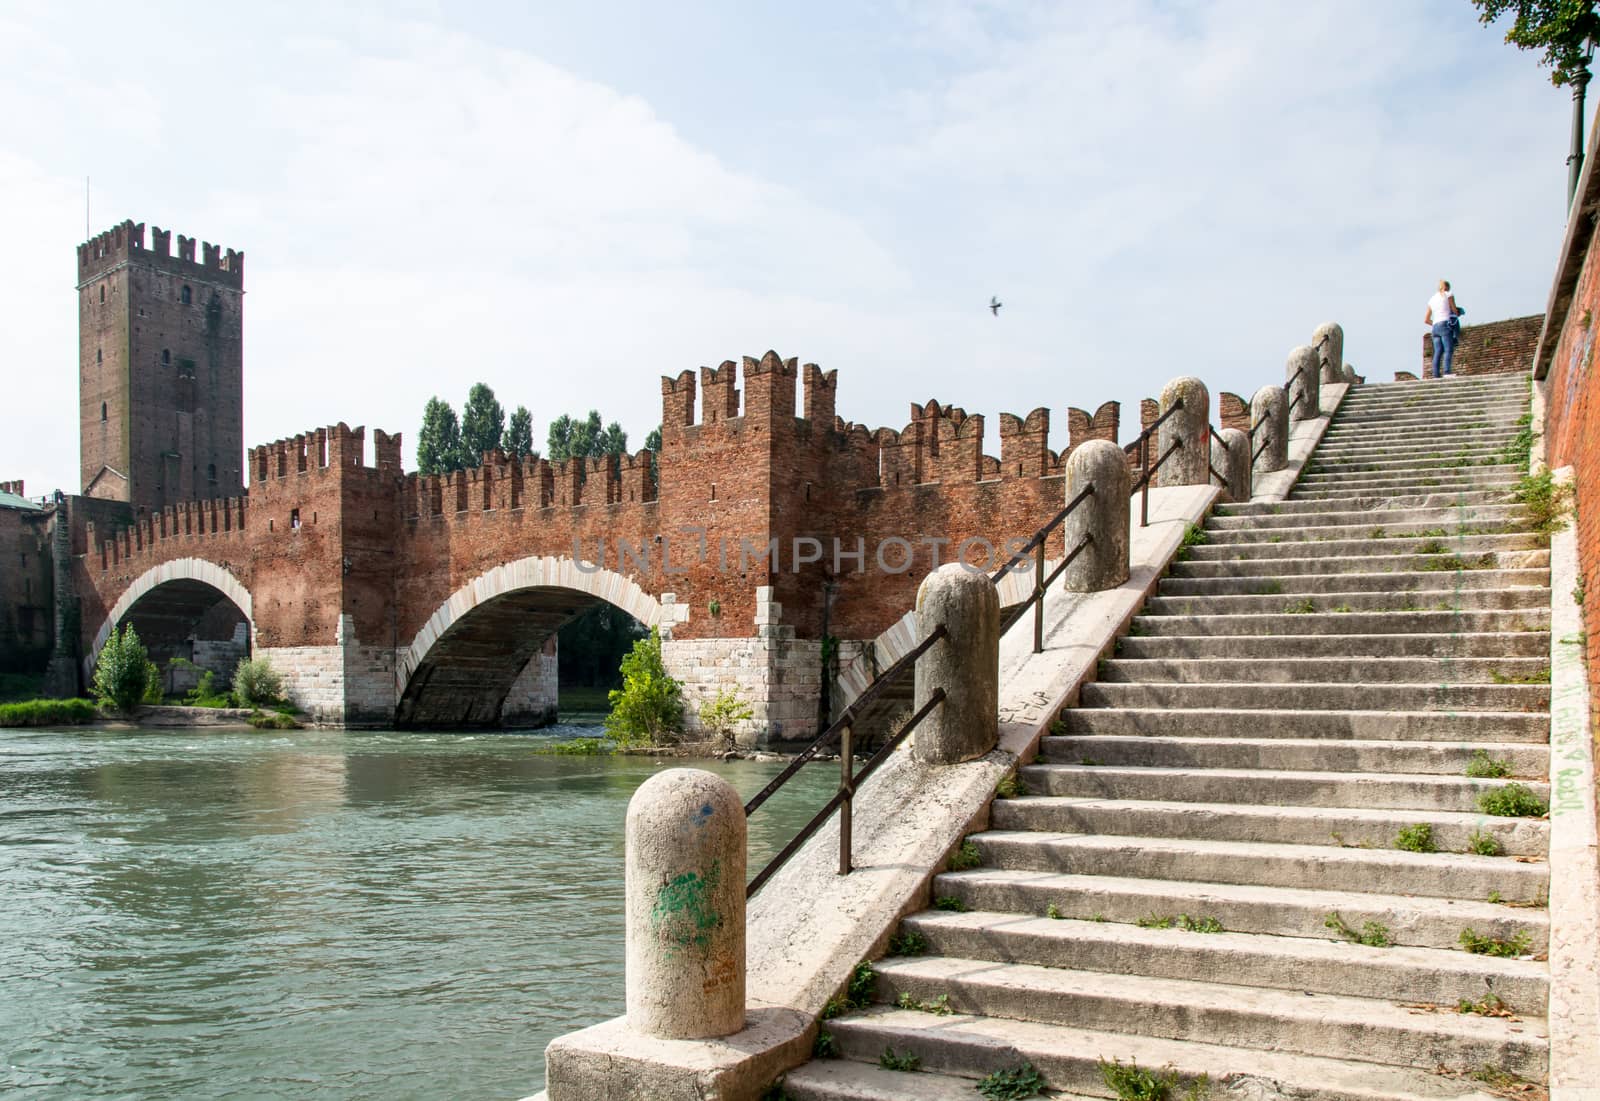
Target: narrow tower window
pixel 97 358
pixel 102 410
pixel 211 473
pixel 184 296
pixel 102 292
pixel 166 356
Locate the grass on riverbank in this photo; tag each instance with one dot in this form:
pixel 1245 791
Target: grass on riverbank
pixel 47 712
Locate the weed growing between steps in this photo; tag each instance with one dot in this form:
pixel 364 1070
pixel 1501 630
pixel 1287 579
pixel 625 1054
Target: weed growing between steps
pixel 1485 844
pixel 1373 934
pixel 857 995
pixel 1484 767
pixel 1538 676
pixel 825 1047
pixel 939 1007
pixel 1134 1083
pixel 908 942
pixel 1546 502
pixel 1182 921
pixel 965 857
pixel 1479 945
pixel 1015 1084
pixel 1053 912
pixel 1517 450
pixel 907 1061
pixel 951 903
pixel 1430 546
pixel 1416 839
pixel 1008 788
pixel 1490 1005
pixel 1193 536
pixel 1300 607
pixel 1452 562
pixel 1512 801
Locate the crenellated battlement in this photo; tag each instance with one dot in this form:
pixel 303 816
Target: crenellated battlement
pixel 125 243
pixel 153 534
pixel 327 448
pixel 503 484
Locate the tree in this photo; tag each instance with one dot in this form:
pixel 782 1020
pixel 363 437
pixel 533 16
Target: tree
pixel 652 442
pixel 256 683
pixel 122 673
pixel 613 441
pixel 1564 29
pixel 648 708
pixel 585 438
pixel 439 441
pixel 519 434
pixel 483 424
pixel 719 714
pixel 592 644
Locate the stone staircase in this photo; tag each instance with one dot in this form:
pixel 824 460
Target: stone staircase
pixel 1309 681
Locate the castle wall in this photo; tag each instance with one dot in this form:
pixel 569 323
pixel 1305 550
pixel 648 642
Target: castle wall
pixel 26 590
pixel 1497 348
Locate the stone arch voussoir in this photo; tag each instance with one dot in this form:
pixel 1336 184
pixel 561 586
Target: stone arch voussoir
pixel 537 572
pixel 179 569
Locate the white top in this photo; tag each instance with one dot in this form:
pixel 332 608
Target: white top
pixel 1439 307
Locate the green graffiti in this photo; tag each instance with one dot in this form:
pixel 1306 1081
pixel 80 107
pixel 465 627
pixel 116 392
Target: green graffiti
pixel 683 916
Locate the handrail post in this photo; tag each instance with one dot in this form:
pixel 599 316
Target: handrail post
pixel 1100 526
pixel 964 664
pixel 848 790
pixel 1305 383
pixel 1038 599
pixel 1188 429
pixel 1144 481
pixel 1329 342
pixel 1270 408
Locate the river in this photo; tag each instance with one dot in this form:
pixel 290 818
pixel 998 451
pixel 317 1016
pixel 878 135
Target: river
pixel 314 915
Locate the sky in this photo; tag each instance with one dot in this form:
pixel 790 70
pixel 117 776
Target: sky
pixel 569 201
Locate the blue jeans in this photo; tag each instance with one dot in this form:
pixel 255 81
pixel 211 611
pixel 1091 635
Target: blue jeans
pixel 1444 346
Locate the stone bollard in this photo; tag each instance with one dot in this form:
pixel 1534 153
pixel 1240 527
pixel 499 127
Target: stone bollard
pixel 1306 386
pixel 1350 374
pixel 1328 340
pixel 965 663
pixel 1232 458
pixel 1270 409
pixel 1190 426
pixel 1102 518
pixel 684 879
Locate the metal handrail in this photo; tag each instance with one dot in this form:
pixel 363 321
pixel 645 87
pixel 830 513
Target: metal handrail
pixel 843 799
pixel 1142 486
pixel 1217 436
pixel 846 718
pixel 1221 478
pixel 1256 427
pixel 1036 546
pixel 1259 450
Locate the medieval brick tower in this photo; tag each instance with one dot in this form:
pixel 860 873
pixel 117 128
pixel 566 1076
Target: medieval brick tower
pixel 161 369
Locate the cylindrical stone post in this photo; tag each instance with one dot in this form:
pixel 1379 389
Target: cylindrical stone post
pixel 1350 374
pixel 1305 381
pixel 1232 458
pixel 1270 410
pixel 1102 518
pixel 685 873
pixel 1328 340
pixel 965 663
pixel 1190 426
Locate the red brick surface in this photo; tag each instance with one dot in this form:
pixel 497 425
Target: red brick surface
pixel 1497 348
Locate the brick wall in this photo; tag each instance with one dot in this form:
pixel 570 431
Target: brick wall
pixel 1495 348
pixel 26 592
pixel 1572 438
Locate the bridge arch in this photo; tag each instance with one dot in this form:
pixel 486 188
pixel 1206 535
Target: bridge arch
pixel 190 577
pixel 479 640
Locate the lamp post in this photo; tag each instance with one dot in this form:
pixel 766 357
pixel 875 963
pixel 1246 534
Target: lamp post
pixel 1580 82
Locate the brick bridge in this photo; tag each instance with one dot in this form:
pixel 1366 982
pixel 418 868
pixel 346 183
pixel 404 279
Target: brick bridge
pixel 393 598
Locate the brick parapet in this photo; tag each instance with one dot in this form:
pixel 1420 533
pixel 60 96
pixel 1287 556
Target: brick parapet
pixel 125 243
pixel 1495 348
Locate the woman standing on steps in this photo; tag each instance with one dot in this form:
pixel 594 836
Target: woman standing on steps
pixel 1442 316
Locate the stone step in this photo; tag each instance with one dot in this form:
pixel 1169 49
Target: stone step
pixel 1304 787
pixel 1411 756
pixel 850 1080
pixel 1385 582
pixel 1323 696
pixel 1256 1017
pixel 1435 496
pixel 1311 531
pixel 1367 508
pixel 1464 726
pixel 1401 974
pixel 1069 1058
pixel 1458 490
pixel 1344 826
pixel 1397 519
pixel 1384 464
pixel 1467 407
pixel 1301 543
pixel 1421 416
pixel 1334 597
pixel 1243 907
pixel 1297 671
pixel 1264 864
pixel 1389 481
pixel 1447 565
pixel 1344 623
pixel 1478 450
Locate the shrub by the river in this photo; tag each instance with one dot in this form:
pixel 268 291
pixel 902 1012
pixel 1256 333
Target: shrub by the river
pixel 722 712
pixel 123 675
pixel 47 712
pixel 256 683
pixel 648 708
pixel 207 694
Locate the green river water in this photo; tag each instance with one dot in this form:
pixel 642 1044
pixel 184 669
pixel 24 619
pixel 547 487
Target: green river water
pixel 314 915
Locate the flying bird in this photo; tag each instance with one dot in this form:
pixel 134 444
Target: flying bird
pixel 994 305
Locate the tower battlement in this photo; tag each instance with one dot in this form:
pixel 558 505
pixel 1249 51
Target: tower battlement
pixel 125 243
